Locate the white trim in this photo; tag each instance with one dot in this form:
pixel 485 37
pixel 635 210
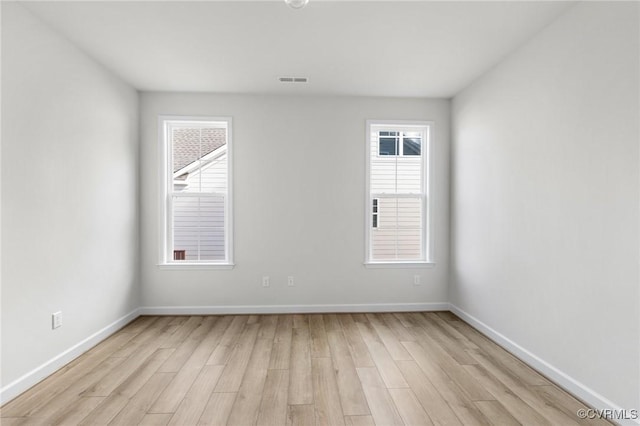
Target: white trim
pixel 36 375
pixel 430 177
pixel 398 265
pixel 562 379
pixel 229 234
pixel 292 309
pixel 195 266
pixel 162 177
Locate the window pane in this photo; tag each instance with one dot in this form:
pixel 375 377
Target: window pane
pixel 199 159
pixel 409 175
pixel 396 213
pixel 212 244
pixel 411 146
pixel 404 175
pixel 398 232
pixel 199 227
pixel 382 175
pixel 409 244
pixel 388 146
pixel 213 174
pixel 383 244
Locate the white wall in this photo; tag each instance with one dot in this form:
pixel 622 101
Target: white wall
pixel 545 201
pixel 69 198
pixel 299 196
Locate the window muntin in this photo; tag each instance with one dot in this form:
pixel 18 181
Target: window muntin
pixel 197 191
pixel 397 203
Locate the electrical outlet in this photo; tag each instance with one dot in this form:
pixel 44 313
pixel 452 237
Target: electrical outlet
pixel 56 320
pixel 290 281
pixel 265 281
pixel 416 280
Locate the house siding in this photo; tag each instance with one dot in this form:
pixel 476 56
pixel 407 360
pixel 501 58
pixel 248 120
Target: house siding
pixel 399 233
pixel 199 220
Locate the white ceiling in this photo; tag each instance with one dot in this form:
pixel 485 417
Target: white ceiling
pixel 372 48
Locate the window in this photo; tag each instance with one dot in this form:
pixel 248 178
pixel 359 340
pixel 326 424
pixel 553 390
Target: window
pixel 374 215
pixel 197 191
pixel 397 193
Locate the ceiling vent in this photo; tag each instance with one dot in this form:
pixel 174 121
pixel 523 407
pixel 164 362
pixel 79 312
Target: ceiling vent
pixel 293 79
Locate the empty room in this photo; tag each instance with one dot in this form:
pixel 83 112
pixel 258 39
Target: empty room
pixel 317 212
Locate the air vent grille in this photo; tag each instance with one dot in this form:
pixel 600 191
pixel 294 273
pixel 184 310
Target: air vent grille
pixel 293 79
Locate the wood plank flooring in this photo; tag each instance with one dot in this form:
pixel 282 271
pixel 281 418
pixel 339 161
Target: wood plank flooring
pixel 334 369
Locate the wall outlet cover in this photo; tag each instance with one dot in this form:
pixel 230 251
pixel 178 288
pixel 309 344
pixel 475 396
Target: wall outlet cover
pixel 56 320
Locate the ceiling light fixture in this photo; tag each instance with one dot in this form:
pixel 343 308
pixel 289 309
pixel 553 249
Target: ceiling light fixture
pixel 296 4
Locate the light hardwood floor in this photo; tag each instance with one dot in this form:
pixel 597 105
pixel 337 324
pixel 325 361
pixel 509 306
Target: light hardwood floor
pixel 331 369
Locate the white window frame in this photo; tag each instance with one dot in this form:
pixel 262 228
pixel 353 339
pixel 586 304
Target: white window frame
pixel 165 123
pixel 427 194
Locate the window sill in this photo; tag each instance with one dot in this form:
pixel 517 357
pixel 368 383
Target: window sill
pixel 195 266
pixel 398 265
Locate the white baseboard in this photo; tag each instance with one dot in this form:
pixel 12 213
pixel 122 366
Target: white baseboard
pixel 291 309
pixel 31 378
pixel 579 390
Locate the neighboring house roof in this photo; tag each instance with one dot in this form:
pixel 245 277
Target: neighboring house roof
pixel 206 161
pixel 188 148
